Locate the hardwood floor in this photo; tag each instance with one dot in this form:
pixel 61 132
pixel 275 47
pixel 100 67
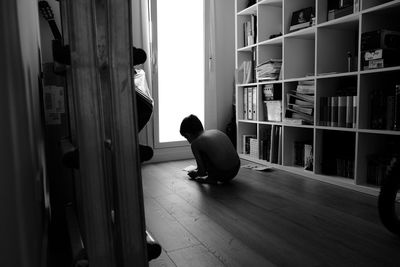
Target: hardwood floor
pixel 262 219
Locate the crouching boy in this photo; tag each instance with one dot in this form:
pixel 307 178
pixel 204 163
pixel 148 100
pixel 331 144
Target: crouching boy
pixel 216 157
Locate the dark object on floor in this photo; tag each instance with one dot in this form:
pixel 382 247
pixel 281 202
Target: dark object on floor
pixel 388 203
pixel 153 248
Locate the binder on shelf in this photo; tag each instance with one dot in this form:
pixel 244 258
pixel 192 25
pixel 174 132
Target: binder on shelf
pixel 334 111
pixel 245 99
pixel 349 111
pixel 397 108
pixel 250 103
pixel 254 103
pixel 342 102
pixel 279 161
pixel 355 111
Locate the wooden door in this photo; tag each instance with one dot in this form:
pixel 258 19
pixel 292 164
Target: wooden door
pixel 102 113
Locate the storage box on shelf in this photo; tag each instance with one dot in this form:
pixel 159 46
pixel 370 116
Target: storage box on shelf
pixel 346 142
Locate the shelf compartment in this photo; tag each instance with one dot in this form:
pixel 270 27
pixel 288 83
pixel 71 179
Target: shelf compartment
pixel 382 18
pixel 245 129
pixel 299 104
pixel 241 40
pixel 293 6
pixel 269 21
pixel 376 5
pixel 299 59
pixel 377 100
pixel 242 9
pixel 270 109
pixel 337 48
pixel 298 147
pixel 323 9
pixel 374 154
pixel 270 143
pixel 343 88
pixel 335 153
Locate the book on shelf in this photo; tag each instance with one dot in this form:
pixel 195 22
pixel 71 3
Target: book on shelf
pixel 250 31
pixel 244 73
pixel 340 12
pixel 273 110
pixel 246 142
pixel 265 143
pixel 279 161
pixel 303 155
pixel 306 87
pixel 308 157
pixel 384 108
pixel 295 121
pixel 323 111
pixel 334 111
pixel 342 102
pixel 349 111
pixel 269 70
pixel 307 110
pixel 250 103
pixel 276 131
pixel 245 108
pixel 345 167
pixel 305 97
pixel 396 123
pixel 299 115
pixel 355 105
pixel 377 165
pixel 253 147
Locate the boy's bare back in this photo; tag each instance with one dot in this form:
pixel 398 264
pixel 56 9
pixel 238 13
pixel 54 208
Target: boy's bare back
pixel 217 148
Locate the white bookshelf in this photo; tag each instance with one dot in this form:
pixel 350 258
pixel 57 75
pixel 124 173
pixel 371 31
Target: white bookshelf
pixel 318 53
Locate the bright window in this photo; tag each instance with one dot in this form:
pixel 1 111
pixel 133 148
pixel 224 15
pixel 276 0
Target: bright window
pixel 181 69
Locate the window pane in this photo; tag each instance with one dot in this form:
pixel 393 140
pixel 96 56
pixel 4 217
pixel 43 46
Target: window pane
pixel 180 35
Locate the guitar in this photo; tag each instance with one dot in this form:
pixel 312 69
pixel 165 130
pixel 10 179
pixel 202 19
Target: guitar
pixel 47 14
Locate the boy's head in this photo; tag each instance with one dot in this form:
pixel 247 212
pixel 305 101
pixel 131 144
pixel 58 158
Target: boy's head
pixel 191 127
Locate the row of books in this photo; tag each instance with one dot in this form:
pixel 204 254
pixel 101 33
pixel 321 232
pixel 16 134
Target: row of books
pixel 269 70
pixel 303 155
pixel 345 167
pixel 250 31
pixel 250 103
pixel 338 111
pixel 385 109
pixel 300 103
pixel 271 144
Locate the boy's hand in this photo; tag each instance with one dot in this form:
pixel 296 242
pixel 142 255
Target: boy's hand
pixel 192 174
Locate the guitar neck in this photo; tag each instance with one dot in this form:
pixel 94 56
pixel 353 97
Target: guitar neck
pixel 54 29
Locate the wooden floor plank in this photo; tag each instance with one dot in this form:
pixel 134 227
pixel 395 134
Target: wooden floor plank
pixel 197 256
pixel 272 218
pixel 165 228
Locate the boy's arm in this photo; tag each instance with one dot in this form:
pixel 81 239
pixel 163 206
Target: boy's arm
pixel 201 170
